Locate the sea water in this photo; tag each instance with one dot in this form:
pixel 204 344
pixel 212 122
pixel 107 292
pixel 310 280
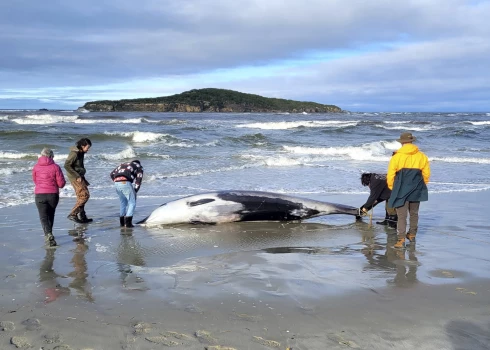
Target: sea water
pixel 308 155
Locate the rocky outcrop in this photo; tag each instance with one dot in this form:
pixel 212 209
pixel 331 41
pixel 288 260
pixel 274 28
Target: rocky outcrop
pixel 211 100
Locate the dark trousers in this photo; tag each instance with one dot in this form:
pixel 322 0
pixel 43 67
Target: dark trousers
pixel 46 204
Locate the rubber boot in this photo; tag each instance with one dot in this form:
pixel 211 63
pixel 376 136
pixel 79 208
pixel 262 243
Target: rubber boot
pixel 392 221
pixel 74 217
pixel 121 221
pixel 128 221
pixel 385 221
pixel 83 218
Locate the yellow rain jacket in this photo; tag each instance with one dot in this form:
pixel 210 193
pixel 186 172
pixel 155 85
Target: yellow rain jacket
pixel 408 157
pixel 408 174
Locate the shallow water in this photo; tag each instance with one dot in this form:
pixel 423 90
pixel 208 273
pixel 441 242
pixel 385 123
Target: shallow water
pixel 326 281
pixel 332 250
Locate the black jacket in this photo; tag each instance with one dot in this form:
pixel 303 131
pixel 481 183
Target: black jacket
pixel 379 190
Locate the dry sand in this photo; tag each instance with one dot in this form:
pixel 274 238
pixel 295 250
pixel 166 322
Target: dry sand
pixel 327 284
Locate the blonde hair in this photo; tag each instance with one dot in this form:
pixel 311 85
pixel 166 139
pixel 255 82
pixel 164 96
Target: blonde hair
pixel 47 152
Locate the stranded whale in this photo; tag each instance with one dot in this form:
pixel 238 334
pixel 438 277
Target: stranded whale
pixel 233 206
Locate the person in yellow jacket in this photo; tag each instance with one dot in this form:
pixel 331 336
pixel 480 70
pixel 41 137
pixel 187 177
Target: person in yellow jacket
pixel 407 178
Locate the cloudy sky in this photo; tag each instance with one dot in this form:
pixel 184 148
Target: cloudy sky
pixel 376 55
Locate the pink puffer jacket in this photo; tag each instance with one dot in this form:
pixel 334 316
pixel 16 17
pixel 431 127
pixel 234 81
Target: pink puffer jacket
pixel 47 176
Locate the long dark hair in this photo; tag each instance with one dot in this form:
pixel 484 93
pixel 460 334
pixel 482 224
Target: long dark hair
pixel 83 142
pixel 366 179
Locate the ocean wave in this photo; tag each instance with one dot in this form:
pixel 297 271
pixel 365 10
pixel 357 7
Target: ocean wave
pixel 450 187
pixel 411 127
pixel 12 202
pixel 172 122
pixel 460 160
pixel 40 119
pixel 274 161
pixel 205 171
pixel 14 155
pixel 12 171
pixel 139 136
pixel 249 139
pixel 485 122
pixel 376 151
pixel 17 133
pixel 124 154
pixel 113 121
pixel 299 124
pixel 155 155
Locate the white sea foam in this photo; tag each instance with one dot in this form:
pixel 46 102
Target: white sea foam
pixel 124 154
pixel 486 122
pixel 273 161
pixel 460 160
pixel 12 171
pixel 13 155
pixel 373 152
pixel 112 121
pixel 139 136
pixel 421 128
pixel 39 119
pixel 17 200
pixel 303 123
pixel 156 155
pixel 390 145
pixel 101 248
pixel 205 171
pixel 449 187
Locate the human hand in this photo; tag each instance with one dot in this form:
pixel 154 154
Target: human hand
pixel 363 211
pixel 79 179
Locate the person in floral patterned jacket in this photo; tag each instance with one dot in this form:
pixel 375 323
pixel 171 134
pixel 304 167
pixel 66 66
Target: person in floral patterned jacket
pixel 127 179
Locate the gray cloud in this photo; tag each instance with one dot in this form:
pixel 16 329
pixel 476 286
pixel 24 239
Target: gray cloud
pixel 403 44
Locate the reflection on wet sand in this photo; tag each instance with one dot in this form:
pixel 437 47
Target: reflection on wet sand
pixel 78 233
pixel 53 289
pixel 130 253
pixel 79 273
pixel 49 278
pixel 403 261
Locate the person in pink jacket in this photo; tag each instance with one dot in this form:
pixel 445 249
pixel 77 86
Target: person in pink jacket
pixel 48 178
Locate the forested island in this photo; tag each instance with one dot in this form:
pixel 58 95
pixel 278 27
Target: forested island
pixel 211 100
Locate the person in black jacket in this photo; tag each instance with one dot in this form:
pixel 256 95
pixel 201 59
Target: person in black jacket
pixel 127 179
pixel 379 192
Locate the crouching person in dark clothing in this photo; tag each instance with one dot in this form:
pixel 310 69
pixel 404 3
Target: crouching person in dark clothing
pixel 48 178
pixel 379 192
pixel 127 179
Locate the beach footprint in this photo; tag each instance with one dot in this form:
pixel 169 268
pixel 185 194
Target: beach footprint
pixel 339 338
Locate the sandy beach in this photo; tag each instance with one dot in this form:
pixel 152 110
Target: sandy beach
pixel 330 283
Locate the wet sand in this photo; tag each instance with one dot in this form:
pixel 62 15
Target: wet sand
pixel 329 283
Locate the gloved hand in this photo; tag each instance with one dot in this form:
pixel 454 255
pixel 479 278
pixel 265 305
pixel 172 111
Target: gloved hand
pixel 363 211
